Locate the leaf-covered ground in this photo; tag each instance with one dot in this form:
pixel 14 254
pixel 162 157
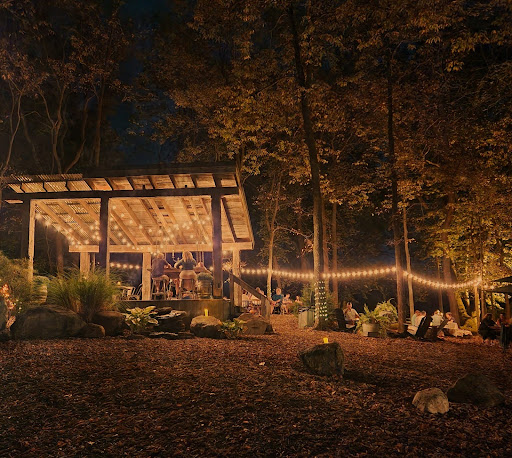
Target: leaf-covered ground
pixel 250 397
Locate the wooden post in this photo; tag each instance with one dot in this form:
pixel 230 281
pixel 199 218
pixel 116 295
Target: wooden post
pixel 146 276
pixel 28 227
pixel 236 272
pixel 493 306
pixel 104 255
pixel 507 306
pixel 477 306
pixel 217 246
pixel 85 263
pixel 334 242
pixel 439 290
pixel 232 289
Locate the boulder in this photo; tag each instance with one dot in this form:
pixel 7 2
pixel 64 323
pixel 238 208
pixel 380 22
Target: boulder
pixel 175 321
pixel 135 337
pixel 163 310
pixel 254 325
pixel 113 322
pixel 92 331
pixel 432 400
pixel 5 335
pixel 164 335
pixel 47 322
pixel 476 389
pixel 206 326
pixel 323 359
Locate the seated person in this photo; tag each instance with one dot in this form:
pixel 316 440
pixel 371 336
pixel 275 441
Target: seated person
pixel 277 301
pixel 200 268
pixel 187 264
pixel 246 299
pixel 287 302
pixel 415 322
pixel 488 328
pixel 452 328
pixel 157 271
pixel 437 318
pixel 351 316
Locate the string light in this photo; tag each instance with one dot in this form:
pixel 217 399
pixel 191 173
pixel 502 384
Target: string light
pixel 354 274
pixel 327 275
pixel 118 265
pixel 438 284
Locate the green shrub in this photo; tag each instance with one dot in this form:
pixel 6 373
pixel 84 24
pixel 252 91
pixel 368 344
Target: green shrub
pixel 139 319
pixel 85 295
pixel 14 273
pixel 232 329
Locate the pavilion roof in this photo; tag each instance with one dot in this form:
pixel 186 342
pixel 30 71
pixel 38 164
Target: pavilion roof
pixel 162 208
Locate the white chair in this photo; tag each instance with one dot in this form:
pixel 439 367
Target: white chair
pixel 136 294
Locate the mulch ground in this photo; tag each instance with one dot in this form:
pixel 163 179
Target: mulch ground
pixel 249 397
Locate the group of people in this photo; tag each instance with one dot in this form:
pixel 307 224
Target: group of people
pixel 188 266
pixel 491 330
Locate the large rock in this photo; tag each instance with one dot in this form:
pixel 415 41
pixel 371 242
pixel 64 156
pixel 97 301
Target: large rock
pixel 163 335
pixel 113 322
pixel 47 322
pixel 206 326
pixel 163 310
pixel 92 331
pixel 253 324
pixel 175 321
pixel 323 359
pixel 432 400
pixel 476 389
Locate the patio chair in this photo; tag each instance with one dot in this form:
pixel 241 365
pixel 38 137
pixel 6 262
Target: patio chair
pixel 136 294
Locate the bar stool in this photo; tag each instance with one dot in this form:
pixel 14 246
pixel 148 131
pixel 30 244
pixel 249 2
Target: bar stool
pixel 158 288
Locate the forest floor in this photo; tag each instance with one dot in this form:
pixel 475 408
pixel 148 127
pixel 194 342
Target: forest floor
pixel 248 397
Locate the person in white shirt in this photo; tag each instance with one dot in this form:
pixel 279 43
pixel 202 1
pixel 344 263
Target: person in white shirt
pixel 437 318
pixel 351 316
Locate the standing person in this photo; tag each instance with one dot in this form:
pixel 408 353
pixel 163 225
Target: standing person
pixel 351 316
pixel 187 264
pixel 157 271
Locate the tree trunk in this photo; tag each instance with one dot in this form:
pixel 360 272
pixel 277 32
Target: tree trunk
pixel 439 290
pixel 309 137
pixel 408 262
pixel 447 263
pixel 395 212
pixel 334 244
pixel 97 130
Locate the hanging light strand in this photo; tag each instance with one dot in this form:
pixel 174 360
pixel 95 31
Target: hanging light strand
pixel 362 273
pixel 441 285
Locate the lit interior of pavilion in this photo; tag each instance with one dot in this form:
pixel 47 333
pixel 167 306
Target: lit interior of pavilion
pixel 198 208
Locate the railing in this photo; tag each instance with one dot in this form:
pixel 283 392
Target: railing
pixel 266 307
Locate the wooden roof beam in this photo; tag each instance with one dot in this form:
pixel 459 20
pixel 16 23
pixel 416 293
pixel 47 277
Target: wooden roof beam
pixel 136 220
pixel 160 217
pixel 96 217
pixel 58 219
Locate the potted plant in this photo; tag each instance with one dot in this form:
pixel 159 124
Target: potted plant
pixel 377 322
pixel 204 285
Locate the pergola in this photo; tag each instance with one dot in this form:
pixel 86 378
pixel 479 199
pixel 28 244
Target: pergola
pixel 183 207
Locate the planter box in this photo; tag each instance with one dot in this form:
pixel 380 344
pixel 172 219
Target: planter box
pixel 371 329
pixel 306 319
